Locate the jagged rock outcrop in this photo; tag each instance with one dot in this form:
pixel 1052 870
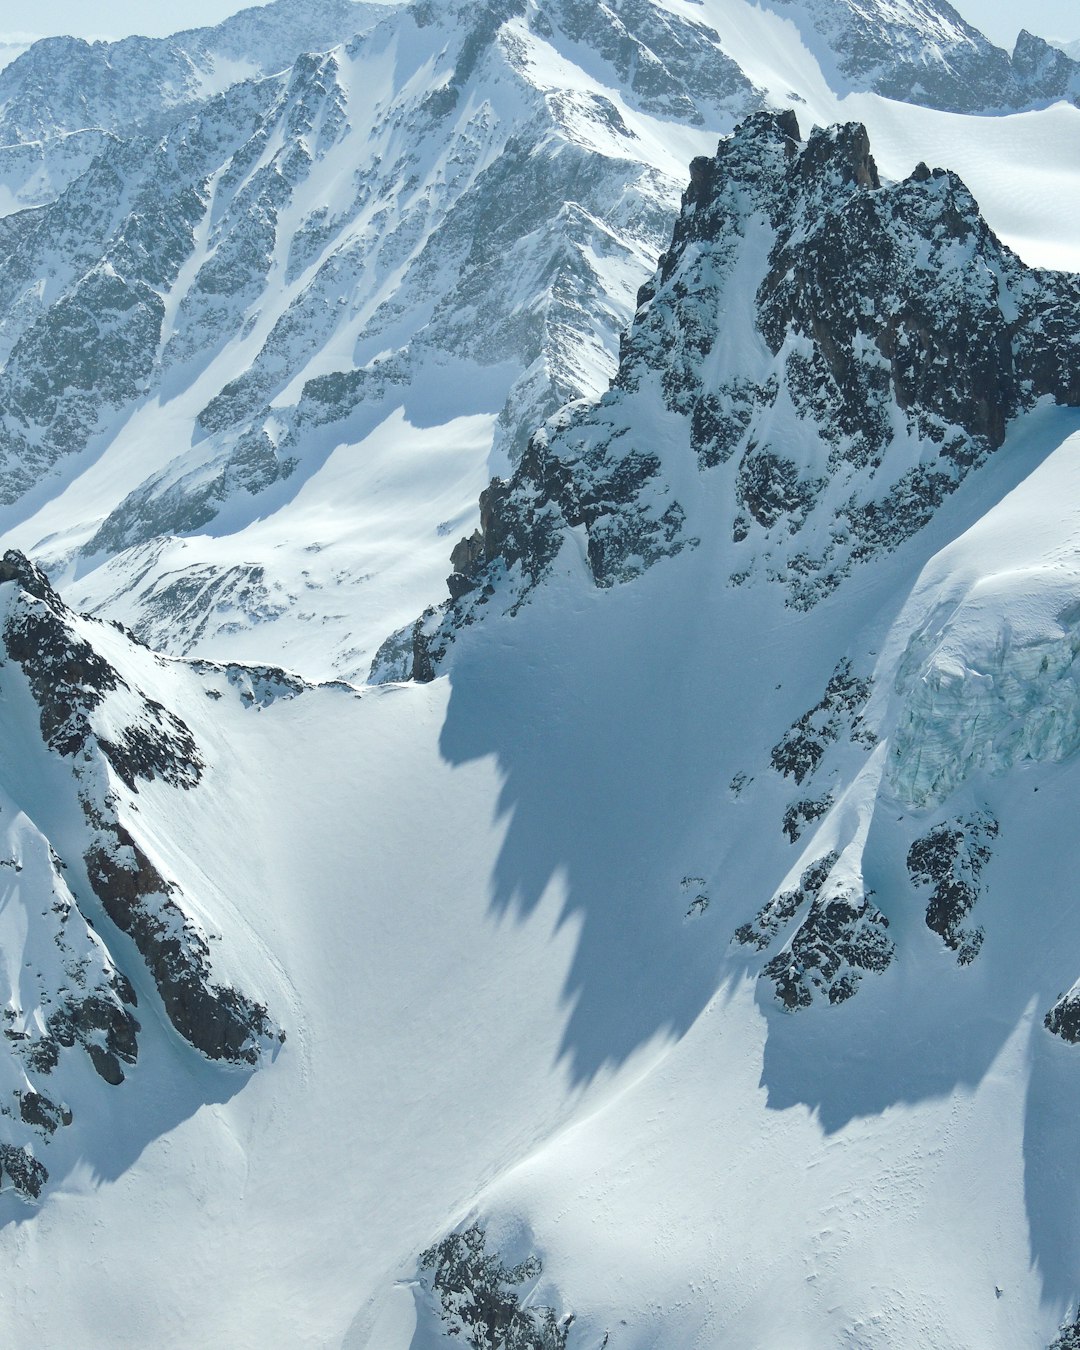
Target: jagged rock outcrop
pixel 893 339
pixel 67 993
pixel 800 750
pixel 480 1297
pixel 778 912
pixel 950 859
pixel 115 736
pixel 68 999
pixel 841 936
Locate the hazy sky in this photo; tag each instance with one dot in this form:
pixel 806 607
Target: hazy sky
pixel 999 19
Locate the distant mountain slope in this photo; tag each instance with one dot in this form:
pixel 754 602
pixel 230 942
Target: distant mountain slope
pixel 59 96
pixel 62 85
pixel 923 51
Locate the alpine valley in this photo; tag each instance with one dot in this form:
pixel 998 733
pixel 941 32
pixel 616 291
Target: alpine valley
pixel 539 682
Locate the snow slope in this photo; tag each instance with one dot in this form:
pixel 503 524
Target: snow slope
pixel 495 914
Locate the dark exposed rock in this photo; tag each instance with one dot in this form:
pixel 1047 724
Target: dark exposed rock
pixel 23 1170
pixel 1068 1337
pixel 902 335
pixel 802 747
pixel 69 681
pixel 216 1019
pixel 769 487
pixel 842 937
pixel 480 1299
pixel 103 1026
pixel 42 1113
pixel 1043 69
pixel 803 812
pixel 1063 1019
pixel 783 907
pixel 258 686
pixel 950 859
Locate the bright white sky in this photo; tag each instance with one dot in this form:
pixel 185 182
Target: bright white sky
pixel 999 19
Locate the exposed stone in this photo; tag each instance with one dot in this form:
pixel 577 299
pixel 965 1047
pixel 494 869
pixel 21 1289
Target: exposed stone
pixel 802 747
pixel 842 937
pixel 950 859
pixel 783 907
pixel 22 1169
pixel 897 323
pixel 70 681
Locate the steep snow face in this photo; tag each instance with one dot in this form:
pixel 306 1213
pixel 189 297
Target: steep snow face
pixel 817 364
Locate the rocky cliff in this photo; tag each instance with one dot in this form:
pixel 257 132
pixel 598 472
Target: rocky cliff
pixel 837 352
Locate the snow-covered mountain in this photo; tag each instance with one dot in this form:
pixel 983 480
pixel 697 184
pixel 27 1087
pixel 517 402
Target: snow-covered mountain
pixel 671 943
pixel 923 51
pixel 817 366
pixel 334 257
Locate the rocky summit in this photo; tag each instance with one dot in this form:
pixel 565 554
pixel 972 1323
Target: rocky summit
pixel 890 340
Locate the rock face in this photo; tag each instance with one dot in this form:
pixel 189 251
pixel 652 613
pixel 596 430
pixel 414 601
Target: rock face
pixel 799 752
pixel 480 1298
pixel 113 739
pixel 148 82
pixel 923 51
pixel 950 859
pixel 71 999
pixel 891 339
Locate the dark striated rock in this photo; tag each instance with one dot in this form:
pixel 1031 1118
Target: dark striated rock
pixel 23 1170
pixel 783 907
pixel 103 1026
pixel 804 812
pixel 69 681
pixel 41 1113
pixel 216 1019
pixel 480 1297
pixel 1068 1337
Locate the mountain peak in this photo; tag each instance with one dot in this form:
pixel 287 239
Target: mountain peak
pixel 893 339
